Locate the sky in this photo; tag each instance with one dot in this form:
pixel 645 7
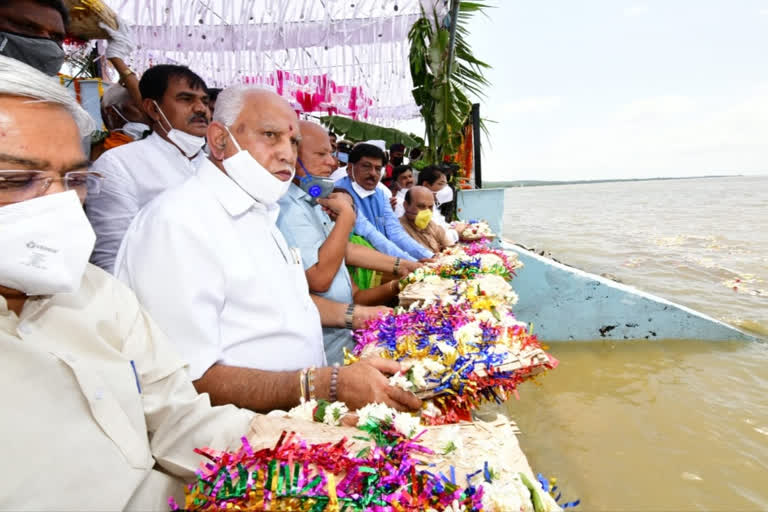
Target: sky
pixel 596 89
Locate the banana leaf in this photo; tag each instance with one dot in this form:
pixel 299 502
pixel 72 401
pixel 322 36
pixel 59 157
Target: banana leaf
pixel 360 131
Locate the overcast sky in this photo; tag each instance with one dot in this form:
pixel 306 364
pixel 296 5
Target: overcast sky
pixel 589 89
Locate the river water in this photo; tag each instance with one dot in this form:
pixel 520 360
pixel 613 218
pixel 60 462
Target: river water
pixel 655 425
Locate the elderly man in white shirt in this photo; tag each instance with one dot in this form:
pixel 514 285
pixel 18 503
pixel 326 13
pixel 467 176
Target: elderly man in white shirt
pixel 209 263
pixel 176 99
pixel 98 410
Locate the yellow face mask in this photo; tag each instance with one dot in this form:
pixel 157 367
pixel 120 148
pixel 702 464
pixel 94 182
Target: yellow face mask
pixel 423 218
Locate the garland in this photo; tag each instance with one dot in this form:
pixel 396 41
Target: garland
pixel 389 474
pixel 457 356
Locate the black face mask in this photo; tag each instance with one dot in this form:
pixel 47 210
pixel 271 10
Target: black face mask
pixel 39 52
pixel 397 160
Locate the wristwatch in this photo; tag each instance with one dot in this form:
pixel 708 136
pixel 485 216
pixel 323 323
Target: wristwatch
pixel 349 317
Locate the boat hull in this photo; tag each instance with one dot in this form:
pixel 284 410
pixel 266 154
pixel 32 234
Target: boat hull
pixel 564 303
pixel 567 304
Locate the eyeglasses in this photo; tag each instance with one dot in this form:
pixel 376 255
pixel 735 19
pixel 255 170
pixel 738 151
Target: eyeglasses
pixel 368 167
pixel 17 186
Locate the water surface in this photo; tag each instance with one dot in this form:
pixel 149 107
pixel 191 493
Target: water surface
pixel 655 425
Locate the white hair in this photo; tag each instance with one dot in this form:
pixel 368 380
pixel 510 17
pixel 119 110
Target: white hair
pixel 116 95
pixel 230 102
pixel 19 79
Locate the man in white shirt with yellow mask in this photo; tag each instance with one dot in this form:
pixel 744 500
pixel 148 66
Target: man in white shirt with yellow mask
pixel 176 100
pixel 98 410
pixel 210 265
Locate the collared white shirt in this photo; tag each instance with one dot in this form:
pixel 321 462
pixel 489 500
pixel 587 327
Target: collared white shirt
pixel 209 264
pixel 399 207
pixel 99 412
pixel 339 174
pixel 134 174
pixel 439 219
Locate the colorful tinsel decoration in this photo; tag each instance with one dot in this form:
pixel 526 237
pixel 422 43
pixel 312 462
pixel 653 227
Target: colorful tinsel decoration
pixel 467 261
pixel 459 351
pixel 465 347
pixel 388 475
pixel 296 475
pixel 457 355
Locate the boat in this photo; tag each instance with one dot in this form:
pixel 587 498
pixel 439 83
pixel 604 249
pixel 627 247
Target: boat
pixel 564 303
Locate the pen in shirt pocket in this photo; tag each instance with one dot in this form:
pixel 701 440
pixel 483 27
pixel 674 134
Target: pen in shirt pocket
pixel 296 255
pixel 136 375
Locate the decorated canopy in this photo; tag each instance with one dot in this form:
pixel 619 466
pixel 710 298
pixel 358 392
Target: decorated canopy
pixel 346 57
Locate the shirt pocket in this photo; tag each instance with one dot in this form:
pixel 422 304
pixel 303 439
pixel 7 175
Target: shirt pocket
pixel 109 413
pixel 298 277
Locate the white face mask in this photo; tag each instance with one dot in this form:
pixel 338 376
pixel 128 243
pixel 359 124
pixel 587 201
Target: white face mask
pixel 135 130
pixel 46 244
pixel 363 193
pixel 444 195
pixel 253 178
pixel 189 144
pixel 131 129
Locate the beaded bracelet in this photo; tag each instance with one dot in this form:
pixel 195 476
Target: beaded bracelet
pixel 334 393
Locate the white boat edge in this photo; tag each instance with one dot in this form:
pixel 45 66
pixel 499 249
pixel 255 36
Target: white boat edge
pixel 567 304
pixel 564 303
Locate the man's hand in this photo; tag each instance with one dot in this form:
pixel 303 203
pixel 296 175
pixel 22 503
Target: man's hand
pixel 339 204
pixel 459 227
pixel 406 267
pixel 364 314
pixel 367 381
pixel 393 202
pixel 427 260
pixel 121 42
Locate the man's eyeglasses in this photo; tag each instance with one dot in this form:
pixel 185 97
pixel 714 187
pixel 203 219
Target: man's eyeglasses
pixel 16 186
pixel 368 167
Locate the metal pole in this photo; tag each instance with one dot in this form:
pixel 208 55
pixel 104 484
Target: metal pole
pixel 476 145
pixel 452 41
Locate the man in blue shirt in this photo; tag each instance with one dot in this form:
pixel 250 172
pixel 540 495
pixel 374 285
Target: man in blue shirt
pixel 320 230
pixel 375 219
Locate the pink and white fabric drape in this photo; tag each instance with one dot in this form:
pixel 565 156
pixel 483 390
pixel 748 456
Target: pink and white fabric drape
pixel 332 56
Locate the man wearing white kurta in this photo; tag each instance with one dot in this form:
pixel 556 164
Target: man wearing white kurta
pixel 98 410
pixel 176 100
pixel 210 265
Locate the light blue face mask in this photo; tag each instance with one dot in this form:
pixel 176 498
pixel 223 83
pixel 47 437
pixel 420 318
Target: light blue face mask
pixel 315 187
pixel 41 53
